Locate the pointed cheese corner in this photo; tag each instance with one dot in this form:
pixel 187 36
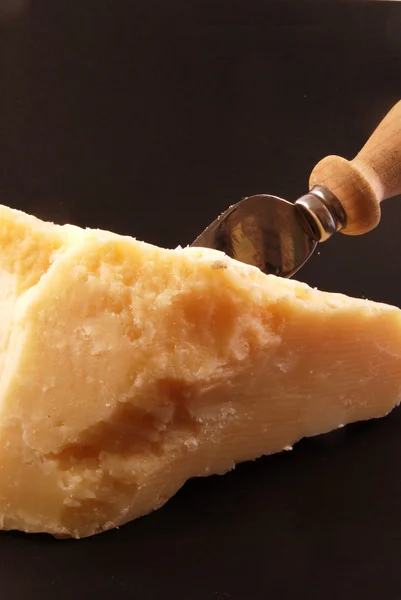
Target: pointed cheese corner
pixel 126 369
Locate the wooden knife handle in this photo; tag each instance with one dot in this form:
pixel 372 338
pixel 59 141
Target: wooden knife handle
pixel 372 176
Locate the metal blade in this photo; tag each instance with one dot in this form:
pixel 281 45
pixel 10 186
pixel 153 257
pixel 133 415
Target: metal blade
pixel 264 231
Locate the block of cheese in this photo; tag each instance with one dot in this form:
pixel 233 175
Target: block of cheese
pixel 126 369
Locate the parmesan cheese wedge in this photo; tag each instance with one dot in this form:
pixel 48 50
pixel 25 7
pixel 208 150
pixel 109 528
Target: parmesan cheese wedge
pixel 126 369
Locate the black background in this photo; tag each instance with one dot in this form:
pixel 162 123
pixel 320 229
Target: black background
pixel 150 117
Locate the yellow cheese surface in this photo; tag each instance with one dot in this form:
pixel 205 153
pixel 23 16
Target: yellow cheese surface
pixel 126 369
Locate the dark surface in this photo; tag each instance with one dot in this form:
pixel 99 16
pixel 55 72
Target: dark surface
pixel 149 118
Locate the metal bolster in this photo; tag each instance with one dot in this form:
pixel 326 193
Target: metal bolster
pixel 323 211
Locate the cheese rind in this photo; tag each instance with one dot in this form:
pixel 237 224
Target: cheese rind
pixel 126 369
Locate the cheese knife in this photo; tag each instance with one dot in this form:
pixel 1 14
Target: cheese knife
pixel 279 236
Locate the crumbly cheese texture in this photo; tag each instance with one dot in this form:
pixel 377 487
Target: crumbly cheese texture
pixel 126 369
